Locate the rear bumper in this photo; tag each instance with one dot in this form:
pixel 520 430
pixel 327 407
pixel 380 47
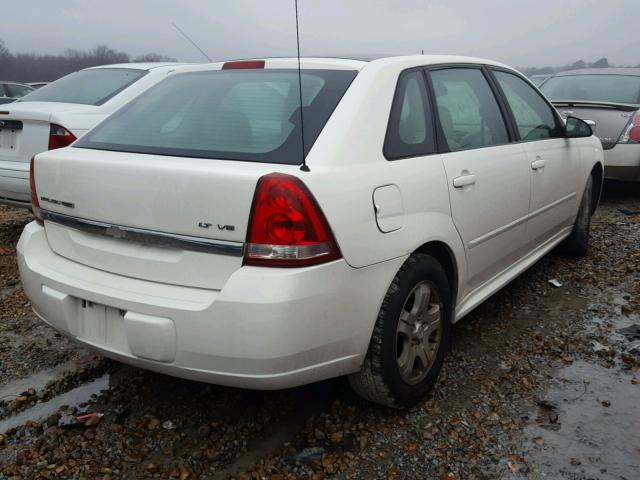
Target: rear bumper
pixel 623 163
pixel 14 183
pixel 266 329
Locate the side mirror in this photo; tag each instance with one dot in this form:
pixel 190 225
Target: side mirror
pixel 577 128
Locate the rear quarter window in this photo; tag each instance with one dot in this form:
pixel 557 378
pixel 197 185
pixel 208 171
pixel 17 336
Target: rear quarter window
pixel 410 130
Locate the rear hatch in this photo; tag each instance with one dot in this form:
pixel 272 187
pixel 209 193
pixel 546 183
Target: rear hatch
pixel 611 119
pixel 177 221
pixel 162 190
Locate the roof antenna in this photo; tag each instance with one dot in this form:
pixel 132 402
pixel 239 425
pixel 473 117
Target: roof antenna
pixel 191 41
pixel 304 167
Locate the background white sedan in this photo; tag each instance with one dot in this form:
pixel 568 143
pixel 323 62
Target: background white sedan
pixel 57 114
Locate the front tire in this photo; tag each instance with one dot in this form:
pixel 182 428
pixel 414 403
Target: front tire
pixel 411 336
pixel 578 242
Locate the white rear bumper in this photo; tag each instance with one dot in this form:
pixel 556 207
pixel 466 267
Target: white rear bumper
pixel 14 183
pixel 266 329
pixel 623 163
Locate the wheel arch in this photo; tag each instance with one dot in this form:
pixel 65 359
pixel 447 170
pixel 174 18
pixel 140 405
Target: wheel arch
pixel 445 256
pixel 597 172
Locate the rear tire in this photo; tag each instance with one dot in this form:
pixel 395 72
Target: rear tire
pixel 411 336
pixel 578 242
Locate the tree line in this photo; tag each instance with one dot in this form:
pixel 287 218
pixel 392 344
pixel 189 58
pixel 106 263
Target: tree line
pixel 33 67
pixel 579 65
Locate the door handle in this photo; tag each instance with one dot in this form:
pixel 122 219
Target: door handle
pixel 464 180
pixel 538 164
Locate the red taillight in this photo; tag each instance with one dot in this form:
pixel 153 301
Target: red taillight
pixel 287 227
pixel 35 203
pixel 243 65
pixel 60 137
pixel 631 133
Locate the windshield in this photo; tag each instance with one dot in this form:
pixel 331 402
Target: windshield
pixel 249 115
pixel 87 87
pixel 594 88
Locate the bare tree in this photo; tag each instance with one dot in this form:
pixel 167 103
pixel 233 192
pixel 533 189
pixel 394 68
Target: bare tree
pixel 31 67
pixel 153 57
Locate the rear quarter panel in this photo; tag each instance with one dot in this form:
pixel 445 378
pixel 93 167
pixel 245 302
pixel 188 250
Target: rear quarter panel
pixel 591 155
pixel 347 165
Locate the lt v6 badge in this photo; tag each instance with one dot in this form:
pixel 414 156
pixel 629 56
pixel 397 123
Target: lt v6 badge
pixel 229 228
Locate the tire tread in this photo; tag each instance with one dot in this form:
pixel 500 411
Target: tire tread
pixel 369 382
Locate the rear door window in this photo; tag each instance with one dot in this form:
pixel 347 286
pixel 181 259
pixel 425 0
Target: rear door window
pixel 410 130
pixel 87 87
pixel 467 109
pixel 534 117
pixel 249 115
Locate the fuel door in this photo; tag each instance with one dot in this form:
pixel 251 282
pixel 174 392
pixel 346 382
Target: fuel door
pixel 387 205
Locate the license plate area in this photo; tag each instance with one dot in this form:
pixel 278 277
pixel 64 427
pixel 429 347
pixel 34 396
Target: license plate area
pixel 10 132
pixel 102 325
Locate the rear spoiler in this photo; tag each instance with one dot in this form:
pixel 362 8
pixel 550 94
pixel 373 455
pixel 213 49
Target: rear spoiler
pixel 625 107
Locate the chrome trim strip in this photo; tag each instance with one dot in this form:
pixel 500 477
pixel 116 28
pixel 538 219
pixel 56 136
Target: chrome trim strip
pixel 147 237
pixel 498 231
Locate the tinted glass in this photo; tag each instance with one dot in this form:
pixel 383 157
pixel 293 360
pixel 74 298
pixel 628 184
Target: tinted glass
pixel 251 115
pixel 468 111
pixel 534 117
pixel 87 87
pixel 3 92
pixel 594 88
pixel 410 131
pixel 17 90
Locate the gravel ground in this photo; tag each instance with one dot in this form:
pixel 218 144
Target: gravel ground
pixel 26 344
pixel 540 383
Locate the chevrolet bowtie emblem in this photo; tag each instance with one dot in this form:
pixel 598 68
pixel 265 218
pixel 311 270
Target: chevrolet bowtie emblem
pixel 116 232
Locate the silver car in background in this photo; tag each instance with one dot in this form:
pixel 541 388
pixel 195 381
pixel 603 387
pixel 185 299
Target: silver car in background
pixel 611 98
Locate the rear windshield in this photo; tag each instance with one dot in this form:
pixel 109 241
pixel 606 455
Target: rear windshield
pixel 594 88
pixel 248 115
pixel 87 87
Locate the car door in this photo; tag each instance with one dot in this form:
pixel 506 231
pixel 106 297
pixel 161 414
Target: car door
pixel 554 160
pixel 487 174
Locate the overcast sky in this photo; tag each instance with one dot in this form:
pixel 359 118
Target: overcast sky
pixel 517 32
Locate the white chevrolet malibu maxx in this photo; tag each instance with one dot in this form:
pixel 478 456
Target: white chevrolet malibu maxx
pixel 235 226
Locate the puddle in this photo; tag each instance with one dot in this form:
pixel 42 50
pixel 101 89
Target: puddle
pixel 590 426
pixel 41 411
pixel 38 380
